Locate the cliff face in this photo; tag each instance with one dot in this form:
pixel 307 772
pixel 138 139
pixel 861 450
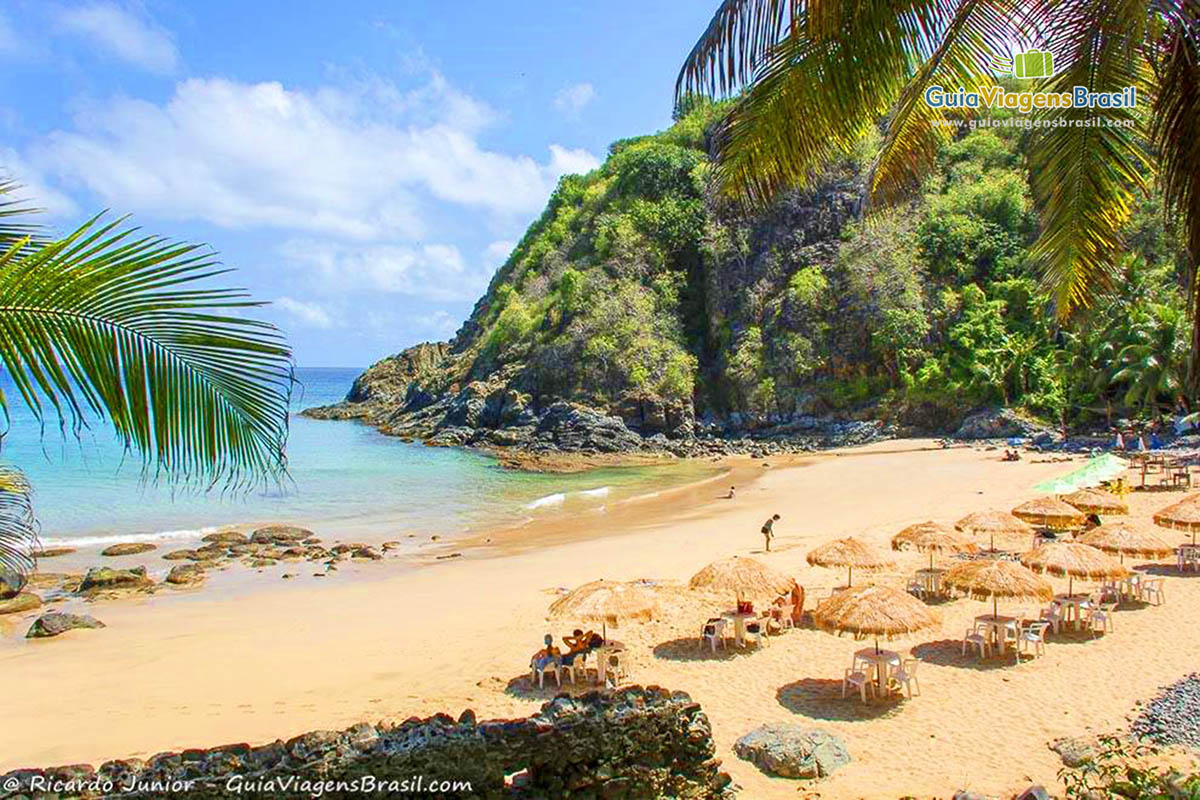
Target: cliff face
pixel 638 313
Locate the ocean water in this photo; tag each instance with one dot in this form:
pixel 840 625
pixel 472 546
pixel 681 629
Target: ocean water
pixel 88 492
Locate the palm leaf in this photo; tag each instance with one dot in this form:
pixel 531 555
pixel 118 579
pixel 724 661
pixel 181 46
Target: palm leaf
pixel 113 323
pixel 1175 132
pixel 14 213
pixel 1083 172
pixel 18 529
pixel 736 42
pixel 915 132
pixel 816 95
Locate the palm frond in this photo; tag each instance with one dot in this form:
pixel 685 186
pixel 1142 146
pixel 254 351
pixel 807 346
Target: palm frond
pixel 18 529
pixel 1084 171
pixel 121 325
pixel 740 36
pixel 1175 132
pixel 14 216
pixel 977 30
pixel 815 97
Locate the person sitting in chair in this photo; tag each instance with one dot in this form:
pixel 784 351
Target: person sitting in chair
pixel 547 655
pixel 577 643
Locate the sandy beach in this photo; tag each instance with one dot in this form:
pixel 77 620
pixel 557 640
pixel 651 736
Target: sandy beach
pixel 265 660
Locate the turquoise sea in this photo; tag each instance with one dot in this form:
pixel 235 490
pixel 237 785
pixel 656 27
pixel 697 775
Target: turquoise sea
pixel 88 492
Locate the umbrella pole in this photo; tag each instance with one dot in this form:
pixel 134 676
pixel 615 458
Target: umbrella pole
pixel 849 577
pixel 995 611
pixel 877 644
pixel 1070 585
pixel 931 559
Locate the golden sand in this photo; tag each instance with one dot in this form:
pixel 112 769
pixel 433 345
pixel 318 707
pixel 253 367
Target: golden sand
pixel 237 662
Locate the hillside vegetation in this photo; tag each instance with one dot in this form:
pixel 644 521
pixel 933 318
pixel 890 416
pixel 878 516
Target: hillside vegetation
pixel 635 295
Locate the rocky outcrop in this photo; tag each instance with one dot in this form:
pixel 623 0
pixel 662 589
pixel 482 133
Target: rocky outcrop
pixel 280 534
pixel 54 623
pixel 128 549
pixel 999 423
pixel 792 751
pixel 53 552
pixel 636 743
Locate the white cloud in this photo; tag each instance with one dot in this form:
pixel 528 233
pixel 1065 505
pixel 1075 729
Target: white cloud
pixel 122 35
pixel 437 325
pixel 33 186
pixel 359 162
pixel 573 99
pixel 310 314
pixel 432 271
pixel 498 252
pixel 10 44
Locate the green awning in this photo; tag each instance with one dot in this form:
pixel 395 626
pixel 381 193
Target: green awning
pixel 1097 470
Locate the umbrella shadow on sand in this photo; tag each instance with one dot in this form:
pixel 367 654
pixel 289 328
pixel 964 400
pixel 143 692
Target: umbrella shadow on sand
pixel 688 648
pixel 821 698
pixel 1166 570
pixel 949 653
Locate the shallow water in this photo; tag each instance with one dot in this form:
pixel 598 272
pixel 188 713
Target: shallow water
pixel 88 492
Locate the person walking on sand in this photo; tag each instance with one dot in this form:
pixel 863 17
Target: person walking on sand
pixel 768 530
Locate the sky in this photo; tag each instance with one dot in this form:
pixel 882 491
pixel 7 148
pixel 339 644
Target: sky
pixel 364 166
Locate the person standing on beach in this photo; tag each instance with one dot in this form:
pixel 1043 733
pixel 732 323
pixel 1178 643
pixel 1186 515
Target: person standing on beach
pixel 768 530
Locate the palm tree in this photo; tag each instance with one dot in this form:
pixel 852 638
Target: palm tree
pixel 812 76
pixel 1148 364
pixel 113 324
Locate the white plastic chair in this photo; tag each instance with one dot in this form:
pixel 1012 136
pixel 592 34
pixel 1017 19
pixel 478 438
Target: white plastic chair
pixel 756 630
pixel 1152 589
pixel 1100 618
pixel 1053 616
pixel 977 637
pixel 1034 635
pixel 906 675
pixel 614 668
pixel 860 679
pixel 1010 635
pixel 713 633
pixel 578 665
pixel 539 673
pixel 916 588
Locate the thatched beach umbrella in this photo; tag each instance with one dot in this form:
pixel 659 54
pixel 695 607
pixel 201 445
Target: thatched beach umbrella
pixel 873 611
pixel 606 602
pixel 1096 501
pixel 993 524
pixel 993 578
pixel 931 537
pixel 1125 539
pixel 1181 516
pixel 1074 560
pixel 742 577
pixel 851 554
pixel 1050 512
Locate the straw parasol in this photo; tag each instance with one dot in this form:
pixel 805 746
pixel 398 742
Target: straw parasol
pixel 1074 560
pixel 931 537
pixel 1124 539
pixel 1181 516
pixel 1050 512
pixel 1096 501
pixel 993 578
pixel 873 611
pixel 743 577
pixel 851 554
pixel 993 523
pixel 606 602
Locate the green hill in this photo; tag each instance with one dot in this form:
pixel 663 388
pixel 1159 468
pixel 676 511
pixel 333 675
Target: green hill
pixel 635 296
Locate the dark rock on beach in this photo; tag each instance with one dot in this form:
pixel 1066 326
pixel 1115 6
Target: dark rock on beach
pixel 1173 717
pixel 280 534
pixel 54 623
pixel 11 582
pixel 105 578
pixel 225 538
pixel 636 743
pixel 792 751
pixel 185 575
pixel 181 555
pixel 53 552
pixel 128 549
pixel 24 601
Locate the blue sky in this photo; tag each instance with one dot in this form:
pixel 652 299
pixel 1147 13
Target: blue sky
pixel 365 166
